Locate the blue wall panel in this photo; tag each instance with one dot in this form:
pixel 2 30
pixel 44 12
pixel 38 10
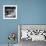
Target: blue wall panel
pixel 34 12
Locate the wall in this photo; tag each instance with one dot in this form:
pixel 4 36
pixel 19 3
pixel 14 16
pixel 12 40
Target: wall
pixel 29 12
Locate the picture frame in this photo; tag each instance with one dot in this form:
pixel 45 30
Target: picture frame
pixel 9 11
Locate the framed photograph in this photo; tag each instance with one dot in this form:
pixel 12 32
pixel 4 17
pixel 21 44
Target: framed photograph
pixel 9 11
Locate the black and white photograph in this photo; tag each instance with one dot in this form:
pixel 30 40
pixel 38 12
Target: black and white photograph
pixel 9 11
